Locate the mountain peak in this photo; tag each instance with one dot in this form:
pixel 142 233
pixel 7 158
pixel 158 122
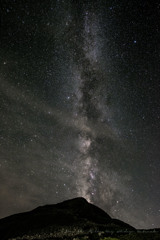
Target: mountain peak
pixel 72 214
pixel 77 200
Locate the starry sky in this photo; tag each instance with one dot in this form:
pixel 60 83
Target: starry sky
pixel 79 106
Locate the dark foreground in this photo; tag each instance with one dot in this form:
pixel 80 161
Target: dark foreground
pixel 96 236
pixel 74 219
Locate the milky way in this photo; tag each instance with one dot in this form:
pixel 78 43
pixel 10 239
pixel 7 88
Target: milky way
pixel 79 86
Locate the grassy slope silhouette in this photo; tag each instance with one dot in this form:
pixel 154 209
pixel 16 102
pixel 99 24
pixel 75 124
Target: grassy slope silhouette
pixel 69 219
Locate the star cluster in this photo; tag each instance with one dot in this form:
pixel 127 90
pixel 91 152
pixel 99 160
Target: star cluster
pixel 79 105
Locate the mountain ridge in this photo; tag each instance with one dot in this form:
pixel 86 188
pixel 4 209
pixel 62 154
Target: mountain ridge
pixel 71 214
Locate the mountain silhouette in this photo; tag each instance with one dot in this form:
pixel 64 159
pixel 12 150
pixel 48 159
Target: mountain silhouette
pixel 72 215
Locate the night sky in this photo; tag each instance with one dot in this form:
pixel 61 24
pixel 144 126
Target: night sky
pixel 79 106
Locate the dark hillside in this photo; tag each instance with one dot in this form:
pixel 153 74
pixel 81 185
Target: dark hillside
pixel 72 214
